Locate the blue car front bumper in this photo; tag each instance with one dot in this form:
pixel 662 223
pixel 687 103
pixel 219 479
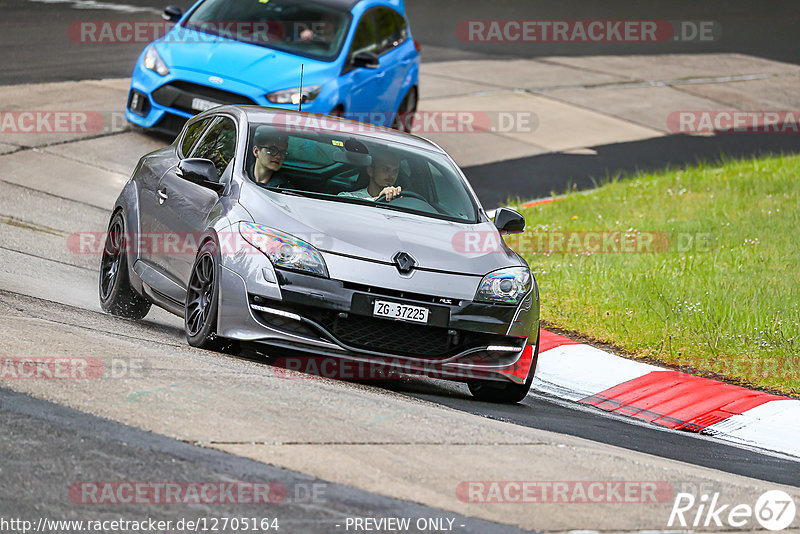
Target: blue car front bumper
pixel 164 103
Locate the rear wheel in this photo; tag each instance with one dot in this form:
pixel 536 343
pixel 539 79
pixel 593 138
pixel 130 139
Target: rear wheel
pixel 202 302
pixel 505 392
pixel 404 118
pixel 117 297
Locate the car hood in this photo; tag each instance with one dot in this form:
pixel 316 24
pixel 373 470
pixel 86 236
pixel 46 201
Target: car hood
pixel 258 66
pixel 378 234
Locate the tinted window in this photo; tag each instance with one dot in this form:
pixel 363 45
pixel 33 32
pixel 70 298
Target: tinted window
pixel 364 39
pixel 192 134
pixel 218 144
pixel 335 165
pixel 304 28
pixel 391 28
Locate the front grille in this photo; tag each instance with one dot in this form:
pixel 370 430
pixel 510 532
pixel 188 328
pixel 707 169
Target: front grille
pixel 405 339
pixel 179 95
pixel 171 124
pixel 382 335
pixel 391 336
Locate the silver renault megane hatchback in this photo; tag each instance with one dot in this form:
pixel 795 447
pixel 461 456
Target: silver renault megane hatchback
pixel 326 237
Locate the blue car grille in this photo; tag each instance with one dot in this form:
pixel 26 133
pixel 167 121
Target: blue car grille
pixel 179 95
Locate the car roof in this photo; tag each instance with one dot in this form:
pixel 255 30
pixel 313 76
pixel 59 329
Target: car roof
pixel 349 4
pixel 339 4
pixel 328 123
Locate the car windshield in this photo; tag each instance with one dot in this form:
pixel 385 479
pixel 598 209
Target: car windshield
pixel 303 28
pixel 341 166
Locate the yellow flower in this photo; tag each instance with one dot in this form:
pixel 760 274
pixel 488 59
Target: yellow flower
pixel 574 217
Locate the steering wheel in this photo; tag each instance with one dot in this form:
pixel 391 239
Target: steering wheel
pixel 409 194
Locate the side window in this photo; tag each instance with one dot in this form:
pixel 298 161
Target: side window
pixel 391 28
pixel 218 144
pixel 364 39
pixel 191 135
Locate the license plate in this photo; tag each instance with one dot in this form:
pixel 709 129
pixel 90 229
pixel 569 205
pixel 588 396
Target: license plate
pixel 403 312
pixel 200 104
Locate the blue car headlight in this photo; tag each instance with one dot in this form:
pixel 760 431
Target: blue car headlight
pixel 292 96
pixel 506 286
pixel 152 61
pixel 284 250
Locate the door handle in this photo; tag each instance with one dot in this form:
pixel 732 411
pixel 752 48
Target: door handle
pixel 162 195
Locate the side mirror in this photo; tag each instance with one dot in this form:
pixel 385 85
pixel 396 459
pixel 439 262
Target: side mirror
pixel 366 60
pixel 201 172
pixel 172 13
pixel 509 221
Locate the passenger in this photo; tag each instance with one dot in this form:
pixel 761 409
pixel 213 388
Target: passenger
pixel 269 148
pixel 382 176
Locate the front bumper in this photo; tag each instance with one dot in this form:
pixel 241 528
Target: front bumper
pixel 164 103
pixel 463 340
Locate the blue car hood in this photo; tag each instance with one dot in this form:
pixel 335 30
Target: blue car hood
pixel 258 66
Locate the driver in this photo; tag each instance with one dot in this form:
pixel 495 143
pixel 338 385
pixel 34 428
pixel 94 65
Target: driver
pixel 382 175
pixel 269 148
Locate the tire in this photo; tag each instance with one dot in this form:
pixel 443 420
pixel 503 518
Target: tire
pixel 202 303
pixel 505 392
pixel 117 297
pixel 404 118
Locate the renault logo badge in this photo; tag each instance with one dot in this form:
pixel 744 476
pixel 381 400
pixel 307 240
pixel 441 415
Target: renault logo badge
pixel 404 262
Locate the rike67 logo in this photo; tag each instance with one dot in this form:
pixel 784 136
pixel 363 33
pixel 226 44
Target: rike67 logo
pixel 774 510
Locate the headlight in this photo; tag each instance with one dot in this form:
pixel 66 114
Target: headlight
pixel 292 96
pixel 284 250
pixel 152 61
pixel 506 285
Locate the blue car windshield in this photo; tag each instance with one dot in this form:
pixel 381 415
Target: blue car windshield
pixel 340 165
pixel 303 28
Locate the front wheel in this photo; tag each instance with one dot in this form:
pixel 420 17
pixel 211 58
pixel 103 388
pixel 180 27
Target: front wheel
pixel 202 302
pixel 117 297
pixel 505 392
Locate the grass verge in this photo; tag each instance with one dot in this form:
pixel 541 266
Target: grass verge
pixel 696 268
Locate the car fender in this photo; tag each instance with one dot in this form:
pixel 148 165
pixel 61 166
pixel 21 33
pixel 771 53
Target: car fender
pixel 127 202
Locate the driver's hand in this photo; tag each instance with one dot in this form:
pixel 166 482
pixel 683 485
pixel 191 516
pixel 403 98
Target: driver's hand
pixel 391 192
pixel 306 35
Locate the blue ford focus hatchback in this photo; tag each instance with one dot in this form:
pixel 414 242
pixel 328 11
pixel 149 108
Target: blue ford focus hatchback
pixel 358 61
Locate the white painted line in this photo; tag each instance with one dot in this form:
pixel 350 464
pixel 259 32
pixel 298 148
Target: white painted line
pixel 570 373
pixel 575 372
pixel 774 425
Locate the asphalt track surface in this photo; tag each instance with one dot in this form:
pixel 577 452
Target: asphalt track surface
pixel 55 441
pixel 59 441
pixel 36 46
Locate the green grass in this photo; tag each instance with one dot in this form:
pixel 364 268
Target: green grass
pixel 721 299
